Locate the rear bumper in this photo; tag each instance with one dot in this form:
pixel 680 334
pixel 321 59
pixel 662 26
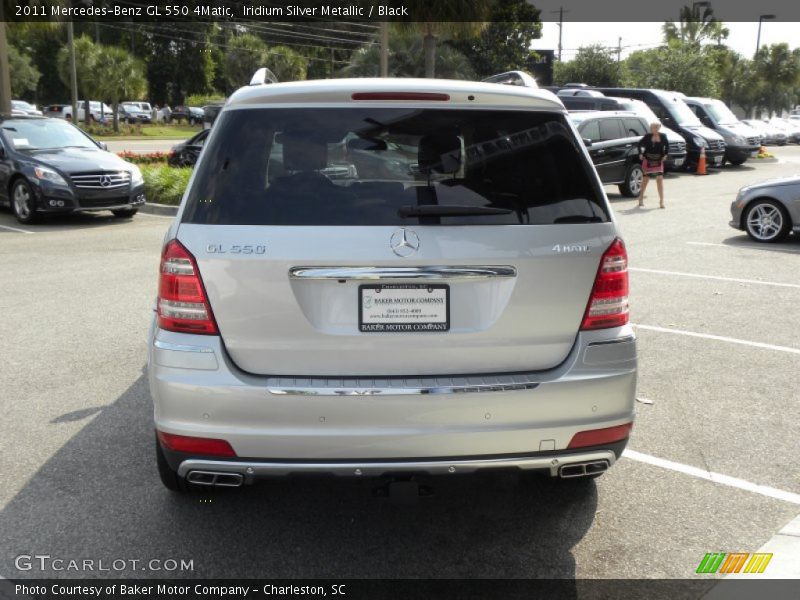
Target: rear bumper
pixel 550 463
pixel 427 424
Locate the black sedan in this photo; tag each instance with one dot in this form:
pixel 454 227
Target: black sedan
pixel 186 153
pixel 51 166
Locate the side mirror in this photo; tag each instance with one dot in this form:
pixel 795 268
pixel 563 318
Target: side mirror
pixel 587 142
pixel 102 146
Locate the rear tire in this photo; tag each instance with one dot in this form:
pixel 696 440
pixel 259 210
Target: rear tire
pixel 125 214
pixel 170 478
pixel 766 221
pixel 634 178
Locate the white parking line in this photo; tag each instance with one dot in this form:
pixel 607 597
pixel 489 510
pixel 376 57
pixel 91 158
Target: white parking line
pixel 719 338
pixel 766 247
pixel 144 214
pixel 764 490
pixel 714 277
pixel 15 229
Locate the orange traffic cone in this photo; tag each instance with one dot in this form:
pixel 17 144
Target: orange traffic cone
pixel 701 164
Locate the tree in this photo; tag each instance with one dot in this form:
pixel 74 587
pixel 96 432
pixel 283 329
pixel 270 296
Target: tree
pixel 287 64
pixel 445 20
pixel 779 68
pixel 594 65
pixel 24 75
pixel 504 45
pixel 118 76
pixel 85 67
pixel 697 23
pixel 245 54
pixel 406 60
pixel 677 66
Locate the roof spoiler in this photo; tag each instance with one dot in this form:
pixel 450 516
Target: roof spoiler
pixel 520 78
pixel 263 76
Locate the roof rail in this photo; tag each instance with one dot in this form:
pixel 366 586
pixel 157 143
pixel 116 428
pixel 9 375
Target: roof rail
pixel 520 78
pixel 263 76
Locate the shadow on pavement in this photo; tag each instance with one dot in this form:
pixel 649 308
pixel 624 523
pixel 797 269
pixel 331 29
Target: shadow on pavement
pixel 67 221
pixel 99 497
pixel 791 245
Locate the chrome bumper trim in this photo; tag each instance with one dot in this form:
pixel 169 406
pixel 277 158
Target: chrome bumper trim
pixel 254 469
pixel 376 273
pixel 286 386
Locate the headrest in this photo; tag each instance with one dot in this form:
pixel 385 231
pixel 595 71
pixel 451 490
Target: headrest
pixel 304 153
pixel 439 153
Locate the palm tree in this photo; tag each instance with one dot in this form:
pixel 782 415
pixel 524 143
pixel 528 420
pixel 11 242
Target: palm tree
pixel 118 75
pixel 779 69
pixel 407 60
pixel 697 23
pixel 435 23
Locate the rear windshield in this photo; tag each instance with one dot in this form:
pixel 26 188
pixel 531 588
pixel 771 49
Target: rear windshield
pixel 378 166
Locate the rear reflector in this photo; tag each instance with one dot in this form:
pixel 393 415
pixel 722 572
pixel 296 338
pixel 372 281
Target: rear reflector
pixel 596 437
pixel 182 302
pixel 608 304
pixel 436 97
pixel 195 445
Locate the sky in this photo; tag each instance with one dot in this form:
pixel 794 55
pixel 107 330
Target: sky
pixel 637 36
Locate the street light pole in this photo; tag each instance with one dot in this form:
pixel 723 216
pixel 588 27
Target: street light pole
pixel 761 18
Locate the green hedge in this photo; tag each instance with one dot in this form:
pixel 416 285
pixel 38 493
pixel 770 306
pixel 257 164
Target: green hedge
pixel 165 185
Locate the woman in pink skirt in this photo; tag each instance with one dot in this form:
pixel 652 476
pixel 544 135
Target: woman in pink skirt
pixel 653 150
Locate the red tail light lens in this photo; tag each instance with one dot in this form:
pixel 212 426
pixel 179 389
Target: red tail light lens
pixel 424 96
pixel 596 437
pixel 608 304
pixel 195 445
pixel 182 302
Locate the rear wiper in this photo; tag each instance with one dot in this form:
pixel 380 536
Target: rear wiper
pixel 450 210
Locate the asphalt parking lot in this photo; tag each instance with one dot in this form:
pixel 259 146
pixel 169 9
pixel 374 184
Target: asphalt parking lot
pixel 717 320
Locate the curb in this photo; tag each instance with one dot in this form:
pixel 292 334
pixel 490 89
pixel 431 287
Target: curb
pixel 165 210
pixel 784 565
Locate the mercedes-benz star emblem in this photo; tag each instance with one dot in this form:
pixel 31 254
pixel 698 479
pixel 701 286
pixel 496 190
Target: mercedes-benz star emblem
pixel 404 242
pixel 105 180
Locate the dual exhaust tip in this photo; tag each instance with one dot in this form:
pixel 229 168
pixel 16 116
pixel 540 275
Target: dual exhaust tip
pixel 215 478
pixel 586 469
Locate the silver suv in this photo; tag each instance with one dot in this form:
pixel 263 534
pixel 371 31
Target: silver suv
pixel 369 277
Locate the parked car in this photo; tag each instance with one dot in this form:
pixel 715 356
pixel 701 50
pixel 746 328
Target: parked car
pixel 769 210
pixel 210 114
pixel 741 141
pixel 186 153
pixel 790 128
pixel 48 166
pixel 472 316
pixel 613 142
pixel 587 99
pixel 675 114
pixel 143 106
pixel 770 136
pixel 190 114
pixel 98 111
pixel 132 113
pixel 25 108
pixel 677 145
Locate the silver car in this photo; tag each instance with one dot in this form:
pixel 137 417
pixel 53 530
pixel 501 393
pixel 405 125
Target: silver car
pixel 471 314
pixel 768 211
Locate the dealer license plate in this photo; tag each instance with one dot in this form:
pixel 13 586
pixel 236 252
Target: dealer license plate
pixel 403 308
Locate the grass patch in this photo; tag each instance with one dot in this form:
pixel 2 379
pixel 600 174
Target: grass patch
pixel 106 133
pixel 164 184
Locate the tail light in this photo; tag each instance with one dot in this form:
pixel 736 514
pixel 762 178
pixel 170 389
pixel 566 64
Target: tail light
pixel 182 301
pixel 596 437
pixel 608 304
pixel 195 445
